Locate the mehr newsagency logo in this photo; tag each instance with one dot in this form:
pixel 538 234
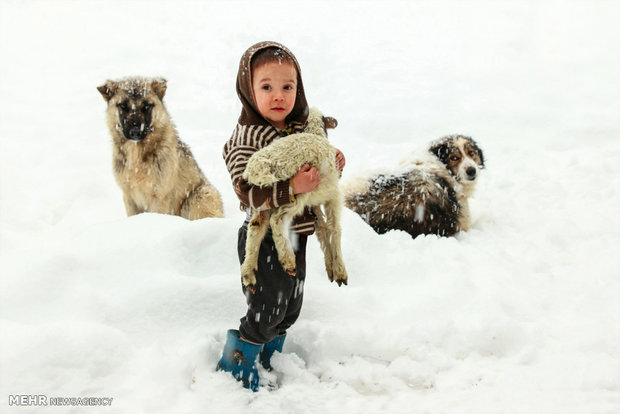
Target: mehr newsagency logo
pixel 44 400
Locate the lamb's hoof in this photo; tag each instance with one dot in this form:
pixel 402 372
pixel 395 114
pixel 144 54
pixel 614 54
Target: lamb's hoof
pixel 338 274
pixel 340 279
pixel 342 282
pixel 249 280
pixel 289 265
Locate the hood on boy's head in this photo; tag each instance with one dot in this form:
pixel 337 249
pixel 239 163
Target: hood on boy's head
pixel 249 113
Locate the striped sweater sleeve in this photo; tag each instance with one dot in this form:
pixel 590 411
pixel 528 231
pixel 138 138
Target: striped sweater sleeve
pixel 245 141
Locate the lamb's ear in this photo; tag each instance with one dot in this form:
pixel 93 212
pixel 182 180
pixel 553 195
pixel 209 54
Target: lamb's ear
pixel 108 90
pixel 159 87
pixel 329 122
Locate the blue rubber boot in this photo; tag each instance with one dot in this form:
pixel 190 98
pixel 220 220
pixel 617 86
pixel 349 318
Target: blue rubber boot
pixel 239 358
pixel 269 348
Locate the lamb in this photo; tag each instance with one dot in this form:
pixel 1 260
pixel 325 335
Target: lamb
pixel 280 161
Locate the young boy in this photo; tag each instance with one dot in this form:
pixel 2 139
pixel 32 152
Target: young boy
pixel 274 105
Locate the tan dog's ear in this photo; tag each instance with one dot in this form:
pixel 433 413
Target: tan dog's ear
pixel 329 122
pixel 159 87
pixel 108 90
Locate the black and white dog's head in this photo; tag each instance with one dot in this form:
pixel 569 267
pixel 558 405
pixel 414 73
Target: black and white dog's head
pixel 461 155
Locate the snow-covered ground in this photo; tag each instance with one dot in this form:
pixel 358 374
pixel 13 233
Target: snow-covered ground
pixel 519 315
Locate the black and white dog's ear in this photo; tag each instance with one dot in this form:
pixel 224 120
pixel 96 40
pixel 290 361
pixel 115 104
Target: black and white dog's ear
pixel 479 150
pixel 481 157
pixel 108 90
pixel 440 150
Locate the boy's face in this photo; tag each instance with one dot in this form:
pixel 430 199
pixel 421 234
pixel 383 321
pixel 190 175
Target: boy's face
pixel 275 88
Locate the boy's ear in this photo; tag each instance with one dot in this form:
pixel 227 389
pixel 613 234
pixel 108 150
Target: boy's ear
pixel 329 122
pixel 108 90
pixel 159 87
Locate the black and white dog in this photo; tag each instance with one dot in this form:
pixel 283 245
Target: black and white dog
pixel 427 194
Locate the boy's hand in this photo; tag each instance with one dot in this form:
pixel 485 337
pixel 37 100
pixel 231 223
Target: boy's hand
pixel 340 160
pixel 306 179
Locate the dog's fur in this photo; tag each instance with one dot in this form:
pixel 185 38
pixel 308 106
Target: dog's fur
pixel 428 194
pixel 155 170
pixel 279 161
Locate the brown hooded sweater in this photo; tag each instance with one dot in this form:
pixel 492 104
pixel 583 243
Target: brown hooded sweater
pixel 254 132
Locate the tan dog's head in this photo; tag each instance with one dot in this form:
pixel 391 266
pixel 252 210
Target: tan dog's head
pixel 133 105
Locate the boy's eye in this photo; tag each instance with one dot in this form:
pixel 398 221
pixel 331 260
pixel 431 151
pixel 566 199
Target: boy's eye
pixel 266 87
pixel 288 87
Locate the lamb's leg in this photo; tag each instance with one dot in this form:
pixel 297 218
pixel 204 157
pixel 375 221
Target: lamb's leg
pixel 286 255
pixel 333 210
pixel 257 228
pixel 322 234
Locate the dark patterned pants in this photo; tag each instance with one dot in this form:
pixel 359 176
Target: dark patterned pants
pixel 277 302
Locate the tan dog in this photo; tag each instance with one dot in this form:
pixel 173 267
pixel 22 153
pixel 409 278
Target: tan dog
pixel 155 170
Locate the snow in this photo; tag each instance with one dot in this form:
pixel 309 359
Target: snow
pixel 519 315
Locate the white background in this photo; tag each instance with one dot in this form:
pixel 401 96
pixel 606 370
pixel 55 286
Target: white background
pixel 519 315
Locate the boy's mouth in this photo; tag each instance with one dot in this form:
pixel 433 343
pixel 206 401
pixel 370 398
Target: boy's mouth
pixel 278 109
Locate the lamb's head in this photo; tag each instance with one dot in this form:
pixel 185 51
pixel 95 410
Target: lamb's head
pixel 283 158
pixel 318 124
